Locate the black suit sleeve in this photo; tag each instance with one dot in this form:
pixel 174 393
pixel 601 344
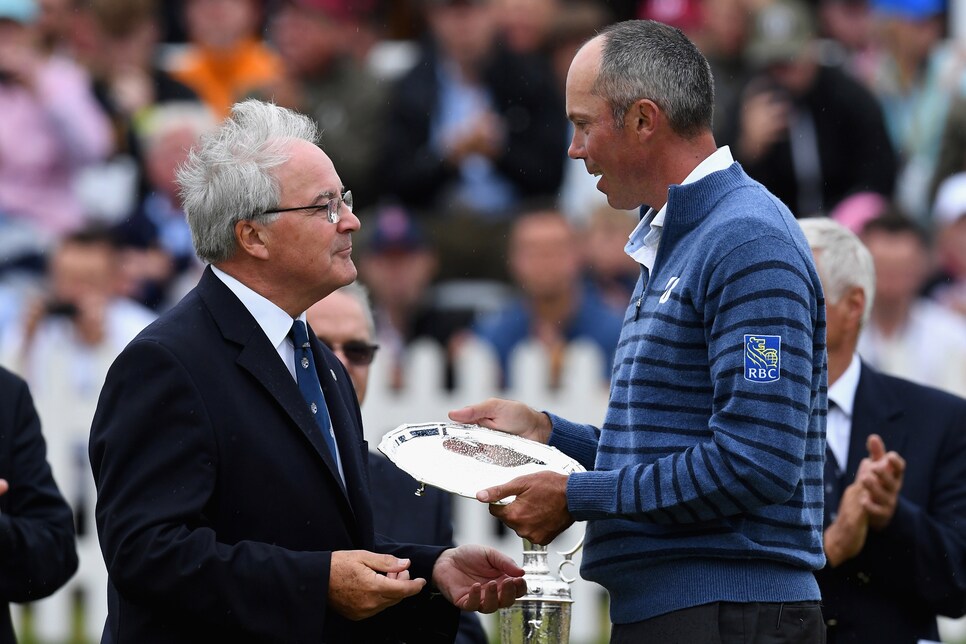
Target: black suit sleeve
pixel 37 554
pixel 155 461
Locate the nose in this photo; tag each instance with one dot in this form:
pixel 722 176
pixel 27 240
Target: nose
pixel 348 222
pixel 576 149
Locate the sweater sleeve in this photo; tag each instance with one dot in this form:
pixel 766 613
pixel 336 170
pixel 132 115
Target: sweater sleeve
pixel 760 311
pixel 576 440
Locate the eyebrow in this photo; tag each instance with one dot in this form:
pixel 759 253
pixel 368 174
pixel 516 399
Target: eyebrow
pixel 328 194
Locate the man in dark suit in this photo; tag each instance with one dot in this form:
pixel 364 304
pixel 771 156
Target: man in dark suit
pixel 227 447
pixel 37 554
pixel 343 321
pixel 895 521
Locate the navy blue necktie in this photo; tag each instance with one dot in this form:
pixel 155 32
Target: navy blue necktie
pixel 833 480
pixel 311 388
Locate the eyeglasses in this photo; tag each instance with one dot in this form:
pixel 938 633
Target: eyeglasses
pixel 357 352
pixel 333 207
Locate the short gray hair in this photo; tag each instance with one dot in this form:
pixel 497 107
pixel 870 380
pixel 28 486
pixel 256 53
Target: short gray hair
pixel 230 176
pixel 648 59
pixel 842 259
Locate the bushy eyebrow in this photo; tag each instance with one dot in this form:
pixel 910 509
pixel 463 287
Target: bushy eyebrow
pixel 328 194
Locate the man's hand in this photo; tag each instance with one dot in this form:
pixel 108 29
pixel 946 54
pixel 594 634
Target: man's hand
pixel 539 513
pixel 507 416
pixel 4 486
pixel 845 538
pixel 881 475
pixel 477 578
pixel 358 591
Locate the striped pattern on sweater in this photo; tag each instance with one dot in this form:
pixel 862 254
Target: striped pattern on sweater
pixel 707 485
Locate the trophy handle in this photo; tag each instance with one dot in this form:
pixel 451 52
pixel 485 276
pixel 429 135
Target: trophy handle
pixel 568 558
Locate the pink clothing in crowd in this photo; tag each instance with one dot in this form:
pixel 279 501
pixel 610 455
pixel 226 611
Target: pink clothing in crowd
pixel 46 135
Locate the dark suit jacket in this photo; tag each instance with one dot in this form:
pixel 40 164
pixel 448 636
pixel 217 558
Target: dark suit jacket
pixel 915 568
pixel 218 503
pixel 37 554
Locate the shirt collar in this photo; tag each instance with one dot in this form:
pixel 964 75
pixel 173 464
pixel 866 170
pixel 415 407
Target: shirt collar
pixel 720 159
pixel 275 323
pixel 842 391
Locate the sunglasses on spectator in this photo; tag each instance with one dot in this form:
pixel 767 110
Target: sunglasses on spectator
pixel 357 352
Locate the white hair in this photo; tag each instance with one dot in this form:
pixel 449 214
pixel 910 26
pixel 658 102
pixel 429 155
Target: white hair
pixel 842 259
pixel 230 176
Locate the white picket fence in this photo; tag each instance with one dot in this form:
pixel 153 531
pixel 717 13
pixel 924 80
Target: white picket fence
pixel 581 396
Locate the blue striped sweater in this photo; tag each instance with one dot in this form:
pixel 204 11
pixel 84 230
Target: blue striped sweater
pixel 706 476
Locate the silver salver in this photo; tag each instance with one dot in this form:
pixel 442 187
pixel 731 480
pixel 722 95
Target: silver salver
pixel 465 459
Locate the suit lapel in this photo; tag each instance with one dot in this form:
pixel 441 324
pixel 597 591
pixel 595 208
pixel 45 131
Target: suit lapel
pixel 876 411
pixel 259 358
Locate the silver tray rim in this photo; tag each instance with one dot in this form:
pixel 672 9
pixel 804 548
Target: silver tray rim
pixel 556 460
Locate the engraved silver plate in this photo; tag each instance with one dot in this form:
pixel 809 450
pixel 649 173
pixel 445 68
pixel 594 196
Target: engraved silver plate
pixel 465 459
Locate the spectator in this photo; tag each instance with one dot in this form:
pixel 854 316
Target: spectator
pixel 949 216
pixel 55 24
pixel 399 266
pixel 952 148
pixel 37 554
pixel 811 133
pixel 118 41
pixel 894 537
pixel 343 322
pixel 473 130
pixel 524 25
pixel 324 80
pixel 51 128
pixel 226 59
pixel 555 307
pixel 65 342
pixel 578 195
pixel 155 239
pixel 910 336
pixel 915 79
pixel 850 40
pixel 722 35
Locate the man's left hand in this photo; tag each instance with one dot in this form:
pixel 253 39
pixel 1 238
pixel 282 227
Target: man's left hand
pixel 478 578
pixel 539 513
pixel 881 474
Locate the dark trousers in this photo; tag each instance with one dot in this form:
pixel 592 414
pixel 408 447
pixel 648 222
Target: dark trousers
pixel 729 623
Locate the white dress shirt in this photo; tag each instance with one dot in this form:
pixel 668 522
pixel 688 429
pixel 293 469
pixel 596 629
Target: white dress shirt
pixel 838 428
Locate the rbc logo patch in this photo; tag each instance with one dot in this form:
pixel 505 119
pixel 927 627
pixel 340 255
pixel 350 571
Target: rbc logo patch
pixel 763 357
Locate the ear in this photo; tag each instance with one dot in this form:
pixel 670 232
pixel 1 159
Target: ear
pixel 252 238
pixel 643 117
pixel 855 303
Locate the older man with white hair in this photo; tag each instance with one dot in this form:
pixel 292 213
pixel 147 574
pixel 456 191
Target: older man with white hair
pixel 895 521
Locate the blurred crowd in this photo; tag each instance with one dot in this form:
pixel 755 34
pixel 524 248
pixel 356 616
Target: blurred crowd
pixel 446 119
